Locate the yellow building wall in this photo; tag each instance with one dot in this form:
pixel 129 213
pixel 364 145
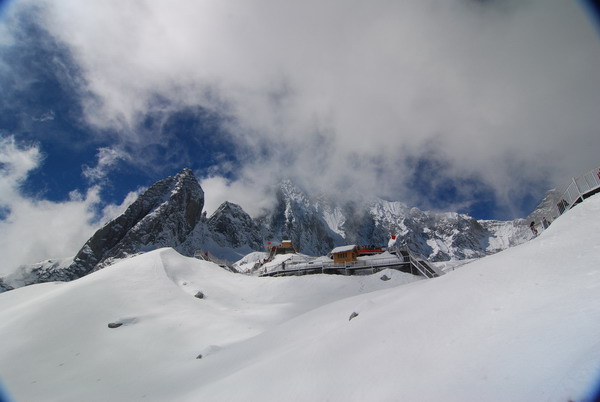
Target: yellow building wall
pixel 346 256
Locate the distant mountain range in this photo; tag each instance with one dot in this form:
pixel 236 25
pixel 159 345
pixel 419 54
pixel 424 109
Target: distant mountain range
pixel 170 214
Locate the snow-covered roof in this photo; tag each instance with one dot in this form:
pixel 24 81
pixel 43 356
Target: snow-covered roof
pixel 342 249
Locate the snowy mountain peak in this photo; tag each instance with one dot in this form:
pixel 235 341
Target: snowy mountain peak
pixel 232 227
pixel 164 215
pixel 383 208
pixel 291 193
pixel 228 207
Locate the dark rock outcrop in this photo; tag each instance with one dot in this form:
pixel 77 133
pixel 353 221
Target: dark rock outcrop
pixel 4 287
pixel 299 218
pixel 231 226
pixel 163 216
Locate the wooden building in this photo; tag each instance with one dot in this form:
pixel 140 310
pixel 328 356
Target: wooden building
pixel 344 254
pixel 286 247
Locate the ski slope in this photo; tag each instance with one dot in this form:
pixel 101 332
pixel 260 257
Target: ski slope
pixel 520 325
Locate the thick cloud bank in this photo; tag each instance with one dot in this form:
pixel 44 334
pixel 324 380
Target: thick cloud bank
pixel 429 102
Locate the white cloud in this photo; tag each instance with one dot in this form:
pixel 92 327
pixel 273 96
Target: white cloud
pixel 342 93
pixel 250 194
pixel 107 159
pixel 33 230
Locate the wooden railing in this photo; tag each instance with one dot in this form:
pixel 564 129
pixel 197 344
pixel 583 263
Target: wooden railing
pixel 417 266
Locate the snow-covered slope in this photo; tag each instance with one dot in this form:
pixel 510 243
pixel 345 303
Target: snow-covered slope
pixel 521 325
pixel 56 344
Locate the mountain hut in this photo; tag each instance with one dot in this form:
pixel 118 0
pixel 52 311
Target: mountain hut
pixel 344 254
pixel 286 247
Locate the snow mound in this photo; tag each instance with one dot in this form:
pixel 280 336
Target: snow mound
pixel 249 261
pixel 57 345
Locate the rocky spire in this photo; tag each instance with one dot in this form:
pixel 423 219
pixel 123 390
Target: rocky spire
pixel 232 227
pixel 162 216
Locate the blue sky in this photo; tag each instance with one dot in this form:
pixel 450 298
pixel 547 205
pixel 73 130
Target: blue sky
pixel 461 105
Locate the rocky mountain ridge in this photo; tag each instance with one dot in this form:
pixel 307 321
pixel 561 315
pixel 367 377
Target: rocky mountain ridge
pixel 316 225
pixel 163 216
pixel 169 214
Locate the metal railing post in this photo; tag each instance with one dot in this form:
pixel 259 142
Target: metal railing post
pixel 577 188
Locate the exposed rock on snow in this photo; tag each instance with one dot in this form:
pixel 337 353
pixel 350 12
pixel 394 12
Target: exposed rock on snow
pixel 209 350
pixel 4 287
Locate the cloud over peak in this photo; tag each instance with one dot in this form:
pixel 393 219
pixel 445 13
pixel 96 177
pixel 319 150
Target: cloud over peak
pixel 344 94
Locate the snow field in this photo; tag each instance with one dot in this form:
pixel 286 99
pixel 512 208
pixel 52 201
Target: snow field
pixel 57 344
pixel 521 325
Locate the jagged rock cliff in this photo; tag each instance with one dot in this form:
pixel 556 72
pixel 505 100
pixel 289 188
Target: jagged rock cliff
pixel 163 216
pixel 298 217
pixel 230 226
pixel 316 225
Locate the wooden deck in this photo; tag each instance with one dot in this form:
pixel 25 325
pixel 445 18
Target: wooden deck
pixel 404 262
